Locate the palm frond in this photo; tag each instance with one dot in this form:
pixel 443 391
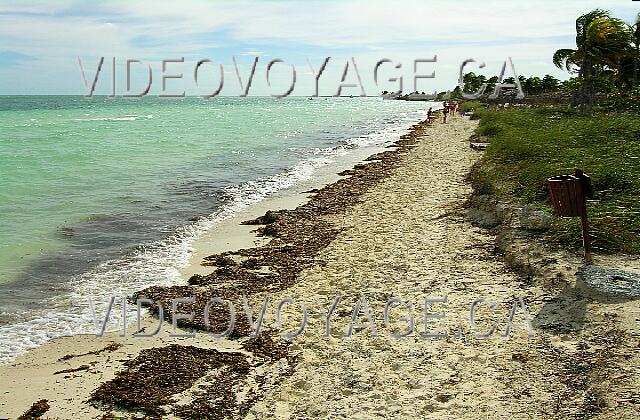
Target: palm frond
pixel 607 29
pixel 583 22
pixel 562 56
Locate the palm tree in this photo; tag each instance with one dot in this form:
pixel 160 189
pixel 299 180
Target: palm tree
pixel 629 70
pixel 602 42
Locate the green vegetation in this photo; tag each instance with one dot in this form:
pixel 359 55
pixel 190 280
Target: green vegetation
pixel 530 145
pixel 605 65
pixel 469 105
pixel 532 85
pixel 606 57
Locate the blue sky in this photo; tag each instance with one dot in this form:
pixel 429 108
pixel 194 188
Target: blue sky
pixel 41 41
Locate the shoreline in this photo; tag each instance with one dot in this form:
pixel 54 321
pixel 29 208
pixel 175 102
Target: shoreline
pixel 36 365
pixel 396 227
pixel 225 232
pixel 154 260
pixel 231 234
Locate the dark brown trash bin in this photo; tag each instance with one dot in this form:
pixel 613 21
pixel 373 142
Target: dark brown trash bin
pixel 567 195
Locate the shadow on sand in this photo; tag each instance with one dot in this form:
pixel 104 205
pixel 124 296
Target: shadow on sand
pixel 566 312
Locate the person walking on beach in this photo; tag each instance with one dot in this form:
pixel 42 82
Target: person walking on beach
pixel 445 111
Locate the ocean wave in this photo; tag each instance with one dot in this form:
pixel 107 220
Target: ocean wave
pixel 157 263
pixel 122 118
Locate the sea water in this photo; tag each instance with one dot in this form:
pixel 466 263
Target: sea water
pixel 102 196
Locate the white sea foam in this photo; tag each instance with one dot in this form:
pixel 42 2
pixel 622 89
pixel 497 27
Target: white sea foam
pixel 123 118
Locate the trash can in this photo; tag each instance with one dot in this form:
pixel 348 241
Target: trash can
pixel 567 195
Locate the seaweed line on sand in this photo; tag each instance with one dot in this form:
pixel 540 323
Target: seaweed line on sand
pixel 151 379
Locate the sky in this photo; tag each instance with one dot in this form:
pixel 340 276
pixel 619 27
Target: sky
pixel 41 43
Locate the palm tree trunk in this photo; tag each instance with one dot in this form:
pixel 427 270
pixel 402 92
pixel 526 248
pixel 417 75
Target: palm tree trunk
pixel 636 64
pixel 585 98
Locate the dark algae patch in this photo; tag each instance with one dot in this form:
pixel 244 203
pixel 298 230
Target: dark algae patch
pixel 108 348
pixel 73 370
pixel 231 390
pixel 152 379
pixel 36 410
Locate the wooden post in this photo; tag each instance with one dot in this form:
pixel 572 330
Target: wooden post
pixel 586 239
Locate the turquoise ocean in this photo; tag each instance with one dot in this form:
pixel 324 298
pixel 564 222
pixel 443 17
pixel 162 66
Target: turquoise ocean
pixel 102 196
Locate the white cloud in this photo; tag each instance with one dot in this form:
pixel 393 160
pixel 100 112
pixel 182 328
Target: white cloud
pixel 488 30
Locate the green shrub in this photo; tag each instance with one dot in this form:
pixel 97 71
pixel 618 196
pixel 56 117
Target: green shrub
pixel 469 105
pixel 530 145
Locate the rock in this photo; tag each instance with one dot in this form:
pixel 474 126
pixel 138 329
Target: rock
pixel 611 280
pixel 197 280
pixel 534 219
pixel 269 217
pixel 516 255
pixel 484 211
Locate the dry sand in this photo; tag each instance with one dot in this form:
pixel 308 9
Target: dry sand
pixel 408 238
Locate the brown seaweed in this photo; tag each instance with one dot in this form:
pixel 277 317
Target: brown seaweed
pixel 72 370
pixel 151 379
pixel 113 346
pixel 36 411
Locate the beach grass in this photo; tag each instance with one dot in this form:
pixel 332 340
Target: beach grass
pixel 528 145
pixel 472 105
